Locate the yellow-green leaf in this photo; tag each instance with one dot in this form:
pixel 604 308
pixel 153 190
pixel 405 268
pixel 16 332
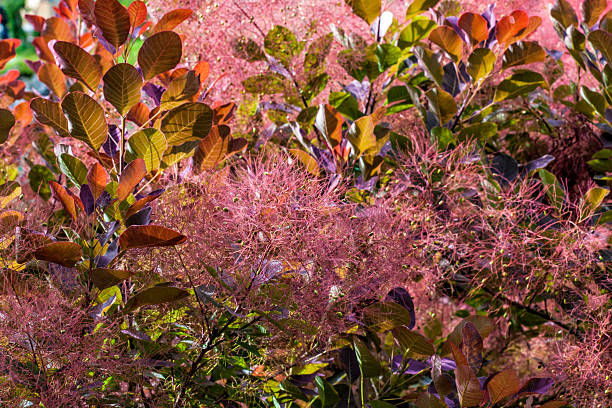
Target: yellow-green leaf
pixel 188 122
pixel 361 134
pixel 368 10
pixel 521 53
pixel 480 63
pixel 148 144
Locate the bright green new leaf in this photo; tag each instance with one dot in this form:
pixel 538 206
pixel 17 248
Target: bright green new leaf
pixel 419 6
pixel 595 196
pixel 554 191
pixel 443 136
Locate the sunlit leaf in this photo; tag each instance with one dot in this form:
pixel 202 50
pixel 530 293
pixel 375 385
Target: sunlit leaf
pixel 149 145
pixel 52 76
pixel 563 16
pixel 78 63
pixel 213 148
pixel 122 84
pixel 309 162
pixel 171 19
pixel 131 175
pixel 361 134
pixel 366 9
pixel 521 53
pixel 97 178
pixel 521 83
pixel 480 63
pixel 508 27
pixel 592 10
pixel 419 6
pixel 281 44
pixel 602 41
pixel 447 38
pixel 180 90
pixel 468 386
pixel 138 13
pixel 66 199
pixel 113 20
pixel 86 119
pixel 188 122
pixel 329 122
pixel 160 53
pixel 595 196
pixel 475 26
pixel 430 63
pixel 414 32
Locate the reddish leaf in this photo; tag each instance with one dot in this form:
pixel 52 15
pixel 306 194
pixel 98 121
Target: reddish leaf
pixel 202 69
pixel 42 50
pixel 222 114
pixel 56 28
pixel 50 75
pixel 472 346
pixel 468 386
pixel 63 253
pixel 66 199
pixel 140 204
pixel 329 122
pixel 8 50
pixel 213 148
pixel 510 26
pixel 130 177
pixel 29 244
pixel 97 178
pixel 145 236
pixel 475 26
pixel 78 63
pixel 37 22
pixel 23 113
pixel 87 11
pixel 139 114
pixel 9 220
pixel 171 19
pixel 503 385
pixel 138 13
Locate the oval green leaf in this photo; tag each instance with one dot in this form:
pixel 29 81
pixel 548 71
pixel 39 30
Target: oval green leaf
pixel 73 169
pixel 480 63
pixel 188 122
pixel 521 53
pixel 368 10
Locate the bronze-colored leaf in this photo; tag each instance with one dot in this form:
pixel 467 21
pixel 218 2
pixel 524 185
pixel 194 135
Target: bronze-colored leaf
pixel 503 385
pixel 447 38
pixel 65 198
pixel 522 53
pixel 309 162
pixel 78 63
pixel 472 346
pixel 413 342
pixel 475 26
pixel 130 177
pixel 86 118
pixel 9 220
pixel 52 76
pixel 7 121
pixel 113 20
pixel 160 53
pixel 468 386
pixel 329 122
pixel 97 178
pixel 122 84
pixel 62 253
pixel 155 296
pixel 180 90
pixel 145 236
pixel 50 113
pixel 223 113
pixel 213 148
pixel 171 19
pixel 139 114
pixel 57 28
pixel 138 13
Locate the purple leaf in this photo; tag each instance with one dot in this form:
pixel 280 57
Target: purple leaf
pixel 141 217
pixel 104 200
pixel 106 44
pixel 489 15
pixel 33 65
pixel 154 92
pixel 87 198
pixel 110 254
pixel 324 159
pixel 111 146
pixel 453 21
pixel 359 90
pixel 402 297
pixel 277 67
pixel 536 386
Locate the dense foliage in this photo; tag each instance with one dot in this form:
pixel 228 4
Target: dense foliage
pixel 411 211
